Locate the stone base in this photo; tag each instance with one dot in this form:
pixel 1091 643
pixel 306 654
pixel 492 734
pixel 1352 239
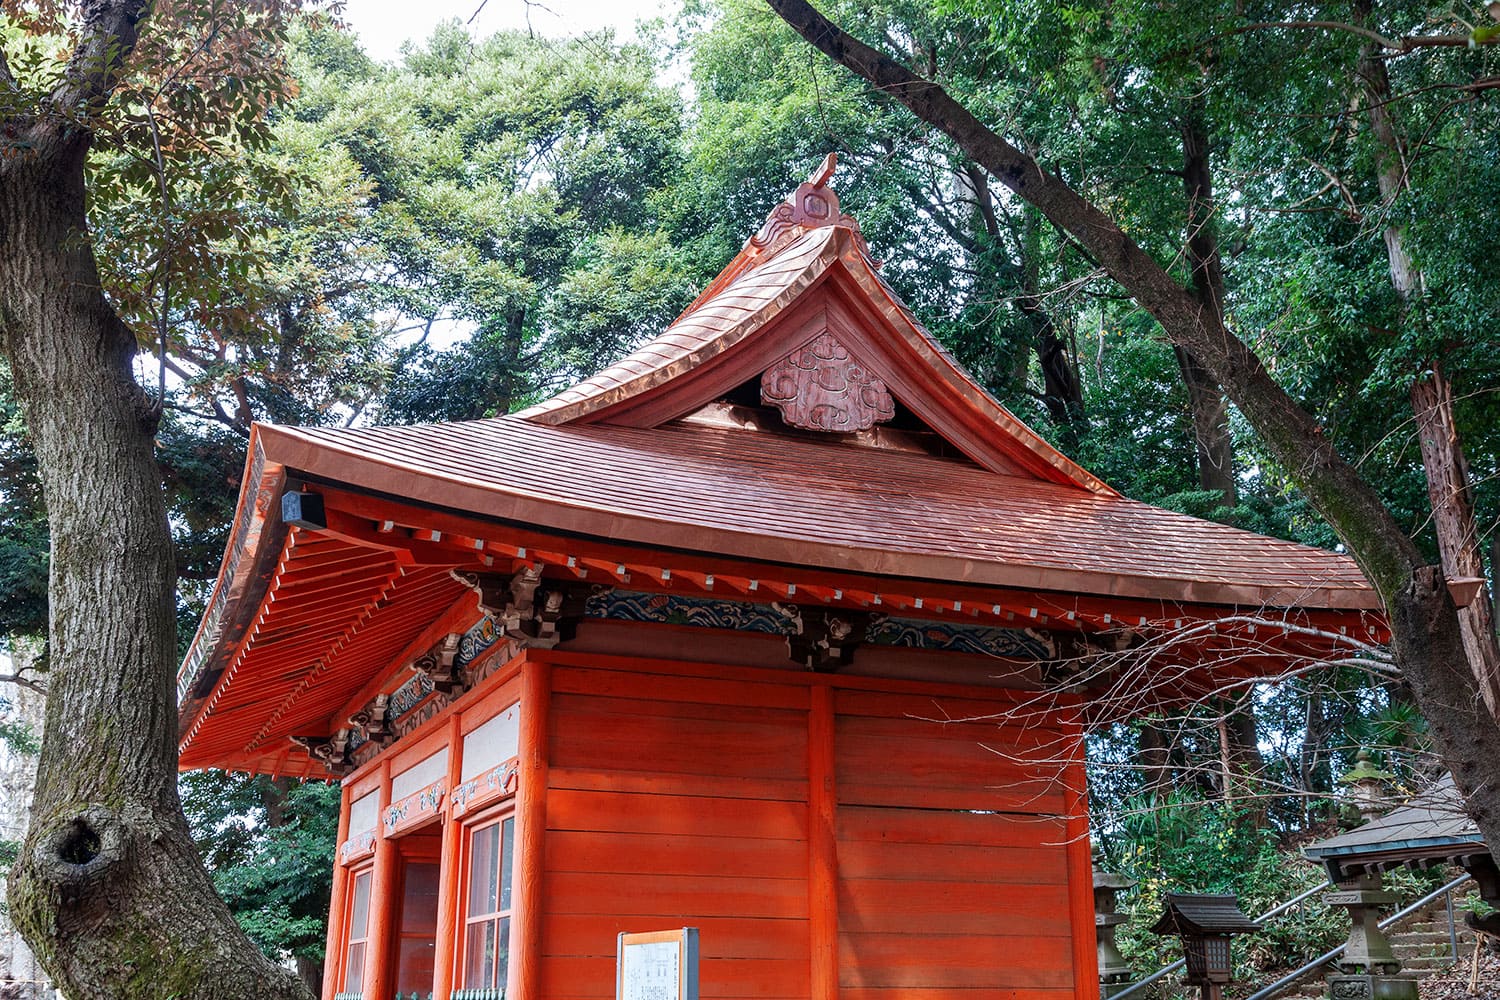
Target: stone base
pixel 1107 990
pixel 1371 988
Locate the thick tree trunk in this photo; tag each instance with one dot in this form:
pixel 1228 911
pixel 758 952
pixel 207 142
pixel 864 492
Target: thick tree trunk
pixel 1210 410
pixel 1427 638
pixel 108 889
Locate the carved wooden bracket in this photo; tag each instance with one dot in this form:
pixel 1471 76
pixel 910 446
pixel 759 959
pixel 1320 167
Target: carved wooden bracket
pixel 820 387
pixel 440 664
pixel 332 752
pixel 371 721
pixel 828 639
pixel 534 616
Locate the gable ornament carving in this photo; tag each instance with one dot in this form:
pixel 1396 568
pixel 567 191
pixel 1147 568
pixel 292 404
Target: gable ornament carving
pixel 813 205
pixel 821 387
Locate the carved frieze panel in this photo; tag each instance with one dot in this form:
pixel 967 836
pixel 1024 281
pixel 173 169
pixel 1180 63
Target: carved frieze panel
pixel 821 387
pixel 502 779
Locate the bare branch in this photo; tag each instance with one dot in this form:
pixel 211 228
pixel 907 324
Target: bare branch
pixel 20 679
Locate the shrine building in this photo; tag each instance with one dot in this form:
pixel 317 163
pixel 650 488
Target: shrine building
pixel 781 628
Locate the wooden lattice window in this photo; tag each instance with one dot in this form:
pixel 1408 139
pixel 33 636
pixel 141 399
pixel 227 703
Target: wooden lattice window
pixel 487 904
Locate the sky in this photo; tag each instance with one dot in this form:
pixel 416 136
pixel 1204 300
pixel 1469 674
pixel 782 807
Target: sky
pixel 382 25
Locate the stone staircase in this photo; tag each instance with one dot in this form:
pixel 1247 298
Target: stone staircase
pixel 1420 941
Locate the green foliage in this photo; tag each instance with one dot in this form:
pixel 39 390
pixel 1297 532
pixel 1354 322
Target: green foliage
pixel 269 845
pixel 503 173
pixel 1186 844
pixel 23 525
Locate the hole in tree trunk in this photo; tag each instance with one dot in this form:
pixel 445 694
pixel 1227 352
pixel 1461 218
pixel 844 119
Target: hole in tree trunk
pixel 80 844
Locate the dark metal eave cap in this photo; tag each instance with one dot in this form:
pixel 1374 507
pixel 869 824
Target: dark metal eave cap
pixel 1198 913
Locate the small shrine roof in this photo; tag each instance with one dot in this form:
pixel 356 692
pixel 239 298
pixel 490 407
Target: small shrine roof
pixel 1433 825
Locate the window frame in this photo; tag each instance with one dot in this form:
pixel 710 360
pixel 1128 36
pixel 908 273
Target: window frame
pixel 499 815
pixel 363 941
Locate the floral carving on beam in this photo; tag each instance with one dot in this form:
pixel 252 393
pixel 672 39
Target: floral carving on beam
pixel 415 808
pixel 502 779
pixel 821 387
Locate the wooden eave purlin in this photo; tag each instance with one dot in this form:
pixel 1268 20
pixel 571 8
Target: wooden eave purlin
pixel 332 461
pixel 455 539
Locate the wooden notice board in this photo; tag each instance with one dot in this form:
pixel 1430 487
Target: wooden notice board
pixel 657 965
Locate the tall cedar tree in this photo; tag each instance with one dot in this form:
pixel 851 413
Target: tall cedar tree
pixel 108 888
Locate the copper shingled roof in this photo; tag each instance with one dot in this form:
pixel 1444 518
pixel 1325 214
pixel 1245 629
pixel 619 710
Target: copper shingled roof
pixel 718 327
pixel 763 496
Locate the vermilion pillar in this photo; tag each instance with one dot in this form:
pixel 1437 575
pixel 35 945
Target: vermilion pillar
pixel 337 905
pixel 531 816
pixel 383 902
pixel 447 920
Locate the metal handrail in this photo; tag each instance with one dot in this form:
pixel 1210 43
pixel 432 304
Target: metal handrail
pixel 1169 969
pixel 1324 959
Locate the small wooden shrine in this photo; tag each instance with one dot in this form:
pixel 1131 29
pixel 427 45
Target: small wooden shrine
pixel 781 629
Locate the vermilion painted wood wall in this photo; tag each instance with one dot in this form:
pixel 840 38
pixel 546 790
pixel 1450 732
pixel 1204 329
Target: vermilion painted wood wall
pixel 827 838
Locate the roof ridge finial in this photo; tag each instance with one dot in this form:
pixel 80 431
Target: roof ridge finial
pixel 824 173
pixel 813 205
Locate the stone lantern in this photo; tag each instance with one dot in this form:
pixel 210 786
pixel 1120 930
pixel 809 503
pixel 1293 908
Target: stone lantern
pixel 1114 971
pixel 1368 967
pixel 1205 923
pixel 1367 785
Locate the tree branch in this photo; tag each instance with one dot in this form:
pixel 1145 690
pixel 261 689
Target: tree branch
pixel 1355 511
pixel 1401 46
pixel 106 39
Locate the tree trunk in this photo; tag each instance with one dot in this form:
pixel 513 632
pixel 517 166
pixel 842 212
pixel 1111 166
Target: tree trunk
pixel 1062 393
pixel 1424 622
pixel 108 889
pixel 1210 410
pixel 1443 458
pixel 1154 759
pixel 1457 531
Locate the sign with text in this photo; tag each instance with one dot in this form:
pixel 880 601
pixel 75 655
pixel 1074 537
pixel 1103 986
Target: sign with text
pixel 657 965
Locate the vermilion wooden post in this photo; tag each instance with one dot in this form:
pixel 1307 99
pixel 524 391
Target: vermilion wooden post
pixel 822 846
pixel 447 920
pixel 1081 883
pixel 383 901
pixel 531 818
pixel 337 905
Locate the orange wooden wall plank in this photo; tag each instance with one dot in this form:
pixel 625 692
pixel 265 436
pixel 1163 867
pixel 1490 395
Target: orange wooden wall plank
pixel 580 935
pixel 903 826
pixel 953 863
pixel 955 961
pixel 625 812
pixel 724 747
pixel 670 687
pixel 714 786
pixel 674 854
pixel 675 897
pixel 884 906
